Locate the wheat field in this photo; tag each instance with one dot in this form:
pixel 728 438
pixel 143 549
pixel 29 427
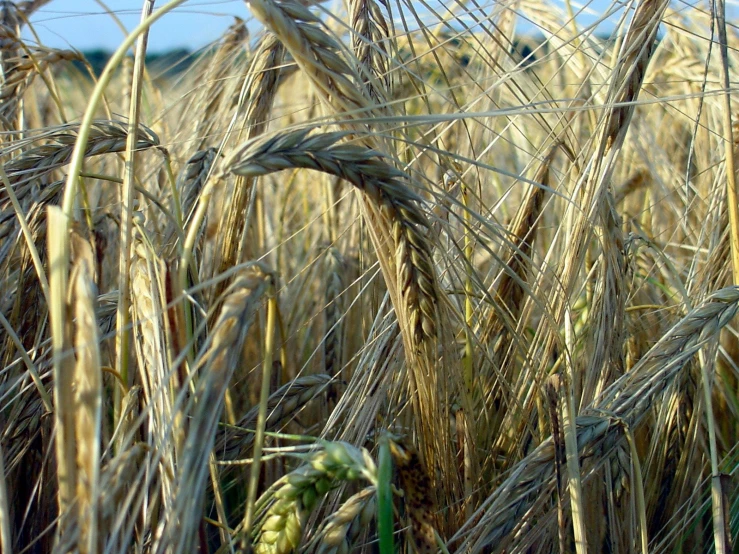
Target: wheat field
pixel 374 276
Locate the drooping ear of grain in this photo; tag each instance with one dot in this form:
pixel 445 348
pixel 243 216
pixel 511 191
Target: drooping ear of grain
pixel 20 72
pixel 347 524
pixel 35 162
pixel 257 98
pixel 404 253
pixel 383 186
pixel 318 55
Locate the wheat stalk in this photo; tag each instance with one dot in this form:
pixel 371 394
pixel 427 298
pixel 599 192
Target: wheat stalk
pixel 333 314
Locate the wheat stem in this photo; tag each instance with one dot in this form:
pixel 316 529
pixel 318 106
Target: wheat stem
pixel 269 350
pixel 126 232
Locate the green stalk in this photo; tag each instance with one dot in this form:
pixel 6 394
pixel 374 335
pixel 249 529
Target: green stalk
pixel 385 498
pixel 468 293
pixel 122 337
pixel 719 516
pixel 269 350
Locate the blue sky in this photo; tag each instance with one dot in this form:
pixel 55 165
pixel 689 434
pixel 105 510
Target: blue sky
pixel 84 24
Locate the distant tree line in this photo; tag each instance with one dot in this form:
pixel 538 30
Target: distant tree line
pixel 165 63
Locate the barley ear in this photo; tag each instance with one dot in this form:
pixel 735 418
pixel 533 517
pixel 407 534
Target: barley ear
pixel 217 362
pixel 281 529
pixel 87 392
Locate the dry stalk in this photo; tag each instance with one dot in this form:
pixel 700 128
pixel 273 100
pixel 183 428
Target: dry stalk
pixel 627 400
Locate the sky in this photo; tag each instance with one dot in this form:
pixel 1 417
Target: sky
pixel 86 25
